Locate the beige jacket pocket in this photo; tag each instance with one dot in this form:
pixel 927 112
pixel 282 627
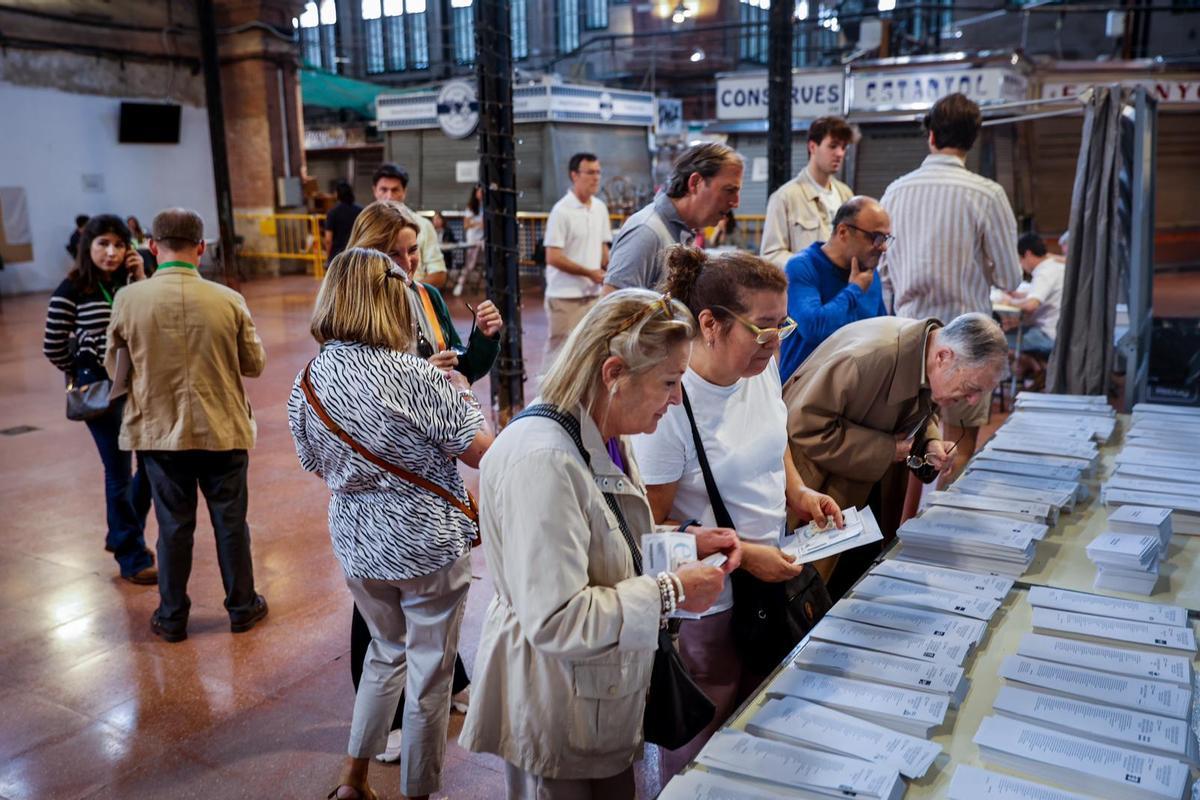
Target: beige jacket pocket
pixel 609 701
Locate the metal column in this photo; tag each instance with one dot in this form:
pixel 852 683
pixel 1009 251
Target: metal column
pixel 216 135
pixel 1136 343
pixel 498 173
pixel 779 96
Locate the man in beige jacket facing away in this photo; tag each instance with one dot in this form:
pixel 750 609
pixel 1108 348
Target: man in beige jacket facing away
pixel 190 340
pixel 801 211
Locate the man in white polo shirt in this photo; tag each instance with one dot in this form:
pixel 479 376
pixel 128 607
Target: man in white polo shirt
pixel 578 234
pixel 1040 303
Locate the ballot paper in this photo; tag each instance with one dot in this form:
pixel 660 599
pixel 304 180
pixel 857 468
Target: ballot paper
pixel 952 580
pixel 1119 660
pixel 1086 451
pixel 1128 610
pixel 1105 770
pixel 884 640
pixel 1187 412
pixel 1144 520
pixel 1001 507
pixel 1185 509
pixel 975 522
pixel 805 724
pixel 914 713
pixel 1125 551
pixel 698 785
pixel 971 483
pixel 890 590
pixel 1175 441
pixel 812 543
pixel 1058 473
pixel 1115 579
pixel 1085 465
pixel 1045 485
pixel 1138 634
pixel 1152 697
pixel 950 627
pixel 1120 480
pixel 1137 730
pixel 667 551
pixel 928 541
pixel 874 667
pixel 1155 457
pixel 799 767
pixel 1167 476
pixel 972 783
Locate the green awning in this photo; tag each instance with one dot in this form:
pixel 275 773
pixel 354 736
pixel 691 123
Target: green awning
pixel 327 90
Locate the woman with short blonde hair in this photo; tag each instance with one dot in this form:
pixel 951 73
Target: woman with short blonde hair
pixel 565 657
pixel 400 520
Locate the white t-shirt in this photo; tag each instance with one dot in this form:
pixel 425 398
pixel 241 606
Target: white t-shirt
pixel 581 231
pixel 1047 287
pixel 474 235
pixel 829 198
pixel 744 430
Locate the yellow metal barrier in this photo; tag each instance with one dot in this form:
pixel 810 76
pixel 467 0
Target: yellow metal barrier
pixel 283 237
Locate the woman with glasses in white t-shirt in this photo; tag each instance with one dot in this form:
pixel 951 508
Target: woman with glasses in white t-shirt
pixel 733 390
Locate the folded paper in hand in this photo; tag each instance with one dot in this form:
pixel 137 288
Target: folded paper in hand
pixel 812 542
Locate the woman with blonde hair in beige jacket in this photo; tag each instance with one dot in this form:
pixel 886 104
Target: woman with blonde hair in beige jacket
pixel 565 658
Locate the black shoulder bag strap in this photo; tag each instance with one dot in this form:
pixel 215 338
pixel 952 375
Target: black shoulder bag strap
pixel 720 512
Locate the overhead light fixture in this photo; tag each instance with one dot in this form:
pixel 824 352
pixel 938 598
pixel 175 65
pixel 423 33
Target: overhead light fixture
pixel 697 56
pixel 802 9
pixel 680 15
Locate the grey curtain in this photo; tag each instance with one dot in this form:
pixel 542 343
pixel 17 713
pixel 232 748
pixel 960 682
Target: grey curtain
pixel 1083 355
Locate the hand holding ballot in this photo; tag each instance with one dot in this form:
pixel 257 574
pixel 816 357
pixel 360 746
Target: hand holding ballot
pixel 813 542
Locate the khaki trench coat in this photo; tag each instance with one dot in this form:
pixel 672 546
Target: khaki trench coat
pixel 848 400
pixel 796 217
pixel 568 642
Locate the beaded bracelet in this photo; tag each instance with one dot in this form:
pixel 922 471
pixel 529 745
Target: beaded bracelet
pixel 678 583
pixel 666 593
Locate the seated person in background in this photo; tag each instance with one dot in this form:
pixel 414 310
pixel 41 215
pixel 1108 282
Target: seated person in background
pixel 833 284
pixel 445 232
pixel 1039 305
pixel 726 233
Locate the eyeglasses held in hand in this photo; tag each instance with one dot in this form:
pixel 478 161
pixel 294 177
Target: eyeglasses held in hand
pixel 916 462
pixel 764 335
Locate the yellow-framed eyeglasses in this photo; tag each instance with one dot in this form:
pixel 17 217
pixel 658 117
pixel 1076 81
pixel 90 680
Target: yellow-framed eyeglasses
pixel 764 335
pixel 663 303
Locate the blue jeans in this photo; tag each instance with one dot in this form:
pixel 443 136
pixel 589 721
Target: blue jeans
pixel 1033 341
pixel 126 497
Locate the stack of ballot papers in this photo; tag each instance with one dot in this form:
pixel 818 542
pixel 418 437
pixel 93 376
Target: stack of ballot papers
pixel 875 667
pixel 1021 511
pixel 981 543
pixel 1126 563
pixel 883 589
pixel 1103 770
pixel 1184 506
pixel 805 724
pixel 972 783
pixel 698 785
pixel 1136 730
pixel 1152 697
pixel 1082 468
pixel 953 580
pixel 913 713
pixel 922 647
pixel 1061 494
pixel 812 542
pixel 1144 521
pixel 804 769
pixel 1174 669
pixel 1167 638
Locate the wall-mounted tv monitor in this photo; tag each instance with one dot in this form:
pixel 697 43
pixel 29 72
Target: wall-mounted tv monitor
pixel 149 123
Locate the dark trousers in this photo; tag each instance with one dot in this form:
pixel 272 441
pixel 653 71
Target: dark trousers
pixel 126 497
pixel 886 501
pixel 360 639
pixel 221 478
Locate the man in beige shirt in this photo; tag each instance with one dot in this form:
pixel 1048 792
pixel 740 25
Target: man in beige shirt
pixel 189 341
pixel 801 211
pixel 869 397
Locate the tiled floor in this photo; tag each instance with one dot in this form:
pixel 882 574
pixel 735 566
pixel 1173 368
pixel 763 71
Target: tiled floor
pixel 92 705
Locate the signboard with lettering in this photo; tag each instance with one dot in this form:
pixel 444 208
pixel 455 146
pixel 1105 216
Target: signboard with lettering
pixel 744 95
pixel 915 90
pixel 670 117
pixel 541 102
pixel 1169 89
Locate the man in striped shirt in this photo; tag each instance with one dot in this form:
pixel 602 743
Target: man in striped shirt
pixel 956 237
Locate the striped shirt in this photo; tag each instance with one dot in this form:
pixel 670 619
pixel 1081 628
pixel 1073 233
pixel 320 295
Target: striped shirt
pixel 955 238
pixel 401 408
pixel 84 316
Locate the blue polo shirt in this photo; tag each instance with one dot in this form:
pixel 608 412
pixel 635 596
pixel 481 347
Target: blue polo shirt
pixel 821 299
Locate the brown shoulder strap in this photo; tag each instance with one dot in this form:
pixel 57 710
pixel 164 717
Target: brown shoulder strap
pixel 467 508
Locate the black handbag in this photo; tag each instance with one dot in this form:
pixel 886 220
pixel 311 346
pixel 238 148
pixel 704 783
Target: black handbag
pixel 769 619
pixel 676 708
pixel 88 391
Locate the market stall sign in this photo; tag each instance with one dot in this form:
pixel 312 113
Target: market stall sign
pixel 744 95
pixel 915 90
pixel 1175 90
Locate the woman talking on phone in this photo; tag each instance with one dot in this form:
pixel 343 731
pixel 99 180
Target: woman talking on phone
pixel 75 342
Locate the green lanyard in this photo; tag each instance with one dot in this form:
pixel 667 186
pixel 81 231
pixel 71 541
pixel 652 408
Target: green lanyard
pixel 107 295
pixel 183 264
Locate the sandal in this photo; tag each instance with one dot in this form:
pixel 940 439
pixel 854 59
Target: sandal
pixel 361 792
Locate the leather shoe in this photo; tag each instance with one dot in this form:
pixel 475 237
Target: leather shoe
pixel 145 577
pixel 252 619
pixel 166 635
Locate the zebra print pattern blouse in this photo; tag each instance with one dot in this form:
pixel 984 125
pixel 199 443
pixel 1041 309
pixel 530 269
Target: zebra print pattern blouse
pixel 402 409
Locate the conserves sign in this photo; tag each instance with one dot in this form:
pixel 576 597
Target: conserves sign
pixel 744 95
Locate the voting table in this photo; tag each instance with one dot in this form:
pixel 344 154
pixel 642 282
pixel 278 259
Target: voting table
pixel 1061 563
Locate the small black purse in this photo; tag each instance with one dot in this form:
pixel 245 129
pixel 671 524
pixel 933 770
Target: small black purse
pixel 769 619
pixel 676 708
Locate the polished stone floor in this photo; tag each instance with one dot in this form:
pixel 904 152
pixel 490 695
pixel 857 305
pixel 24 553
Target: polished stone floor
pixel 92 705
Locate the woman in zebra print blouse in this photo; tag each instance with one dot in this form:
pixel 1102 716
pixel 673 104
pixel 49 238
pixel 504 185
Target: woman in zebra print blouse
pixel 404 549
